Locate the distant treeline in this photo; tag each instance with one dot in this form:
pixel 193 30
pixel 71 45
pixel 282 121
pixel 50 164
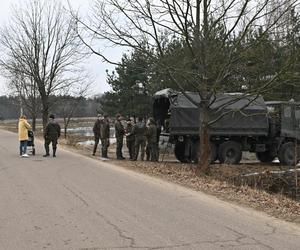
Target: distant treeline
pixel 10 106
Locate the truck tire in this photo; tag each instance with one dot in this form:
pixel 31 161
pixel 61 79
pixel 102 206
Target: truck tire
pixel 286 154
pixel 179 152
pixel 265 157
pixel 230 152
pixel 213 152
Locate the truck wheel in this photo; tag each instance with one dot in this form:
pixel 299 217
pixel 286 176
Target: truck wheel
pixel 179 152
pixel 286 154
pixel 230 152
pixel 213 152
pixel 265 157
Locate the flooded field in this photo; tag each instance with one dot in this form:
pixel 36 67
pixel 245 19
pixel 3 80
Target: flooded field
pixel 87 131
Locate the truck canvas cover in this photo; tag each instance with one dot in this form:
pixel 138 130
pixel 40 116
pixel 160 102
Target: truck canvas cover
pixel 240 115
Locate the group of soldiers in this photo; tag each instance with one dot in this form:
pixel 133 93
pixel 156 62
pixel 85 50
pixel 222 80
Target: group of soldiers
pixel 141 137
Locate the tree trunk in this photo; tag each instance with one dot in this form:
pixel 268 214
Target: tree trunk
pixel 33 122
pixel 204 148
pixel 65 132
pixel 45 115
pixel 65 127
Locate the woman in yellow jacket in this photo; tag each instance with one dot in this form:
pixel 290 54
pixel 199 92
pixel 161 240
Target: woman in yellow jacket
pixel 23 128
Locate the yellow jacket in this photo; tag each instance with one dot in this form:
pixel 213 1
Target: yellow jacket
pixel 23 129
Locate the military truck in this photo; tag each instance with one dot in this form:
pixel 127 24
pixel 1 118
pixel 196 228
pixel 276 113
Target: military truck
pixel 242 123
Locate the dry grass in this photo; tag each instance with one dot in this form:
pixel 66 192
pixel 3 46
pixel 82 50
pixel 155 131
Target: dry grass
pixel 216 184
pixel 275 205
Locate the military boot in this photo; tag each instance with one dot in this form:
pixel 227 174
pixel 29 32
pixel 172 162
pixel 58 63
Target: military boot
pixel 54 152
pixel 104 155
pixel 47 150
pixel 47 154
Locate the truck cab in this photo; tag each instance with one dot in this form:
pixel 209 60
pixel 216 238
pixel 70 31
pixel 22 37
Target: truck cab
pixel 286 115
pixel 285 127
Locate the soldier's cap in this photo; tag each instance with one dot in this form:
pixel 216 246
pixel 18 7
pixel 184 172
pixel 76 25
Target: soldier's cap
pixel 99 115
pixel 51 116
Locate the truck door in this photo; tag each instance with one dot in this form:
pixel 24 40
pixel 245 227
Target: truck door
pixel 297 121
pixel 287 121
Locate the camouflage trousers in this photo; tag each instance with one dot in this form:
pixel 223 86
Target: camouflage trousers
pixel 96 144
pixel 53 141
pixel 130 146
pixel 119 147
pixel 152 153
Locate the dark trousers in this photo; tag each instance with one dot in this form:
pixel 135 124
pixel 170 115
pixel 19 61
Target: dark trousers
pixel 119 147
pixel 96 144
pixel 53 141
pixel 156 152
pixel 152 151
pixel 148 152
pixel 130 146
pixel 140 143
pixel 23 147
pixel 104 147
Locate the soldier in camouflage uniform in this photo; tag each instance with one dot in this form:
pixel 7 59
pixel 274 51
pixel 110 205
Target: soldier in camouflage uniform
pixel 151 135
pixel 51 134
pixel 139 131
pixel 104 136
pixel 120 132
pixel 96 130
pixel 130 139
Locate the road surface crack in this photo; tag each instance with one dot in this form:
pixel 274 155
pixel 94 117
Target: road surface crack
pixel 241 236
pixel 179 245
pixel 76 195
pixel 121 233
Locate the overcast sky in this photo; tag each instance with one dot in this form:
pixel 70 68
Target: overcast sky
pixel 94 64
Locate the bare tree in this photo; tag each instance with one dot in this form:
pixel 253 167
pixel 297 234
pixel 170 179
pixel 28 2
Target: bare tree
pixel 40 44
pixel 71 98
pixel 214 34
pixel 26 89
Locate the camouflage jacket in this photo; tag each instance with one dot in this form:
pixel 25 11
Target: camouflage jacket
pixel 52 130
pixel 139 130
pixel 119 129
pixel 96 128
pixel 104 129
pixel 151 133
pixel 129 133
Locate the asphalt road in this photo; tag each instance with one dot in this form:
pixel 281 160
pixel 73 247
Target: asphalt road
pixel 74 202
